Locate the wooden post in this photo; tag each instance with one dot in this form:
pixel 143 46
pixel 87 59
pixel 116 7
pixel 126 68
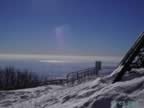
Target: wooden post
pixel 98 66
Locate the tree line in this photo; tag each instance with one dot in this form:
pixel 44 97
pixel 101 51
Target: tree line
pixel 12 78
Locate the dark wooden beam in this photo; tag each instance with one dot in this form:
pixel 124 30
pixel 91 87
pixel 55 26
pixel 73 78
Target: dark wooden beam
pixel 130 56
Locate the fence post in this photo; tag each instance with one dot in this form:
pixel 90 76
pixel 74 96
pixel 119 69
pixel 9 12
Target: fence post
pixel 98 67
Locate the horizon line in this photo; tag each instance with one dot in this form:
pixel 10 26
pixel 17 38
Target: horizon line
pixel 59 57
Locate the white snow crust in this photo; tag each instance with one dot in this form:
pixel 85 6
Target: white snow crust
pixel 98 93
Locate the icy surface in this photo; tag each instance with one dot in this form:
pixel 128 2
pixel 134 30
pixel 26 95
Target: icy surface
pixel 98 93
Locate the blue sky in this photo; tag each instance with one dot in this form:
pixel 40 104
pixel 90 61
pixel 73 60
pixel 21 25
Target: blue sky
pixel 70 27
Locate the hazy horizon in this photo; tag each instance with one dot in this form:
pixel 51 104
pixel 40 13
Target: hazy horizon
pixel 67 58
pixel 56 65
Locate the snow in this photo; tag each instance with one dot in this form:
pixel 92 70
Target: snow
pixel 98 93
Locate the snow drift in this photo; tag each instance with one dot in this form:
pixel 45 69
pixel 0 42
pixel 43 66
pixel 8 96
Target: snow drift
pixel 99 93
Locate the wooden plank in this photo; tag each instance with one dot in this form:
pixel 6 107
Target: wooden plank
pixel 129 57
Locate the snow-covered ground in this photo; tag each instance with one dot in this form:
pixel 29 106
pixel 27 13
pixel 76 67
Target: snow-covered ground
pixel 98 93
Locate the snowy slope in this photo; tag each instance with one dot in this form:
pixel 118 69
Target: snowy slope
pixel 98 93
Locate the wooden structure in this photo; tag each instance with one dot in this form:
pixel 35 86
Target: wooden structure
pixel 55 82
pixel 83 75
pixel 134 58
pixel 98 66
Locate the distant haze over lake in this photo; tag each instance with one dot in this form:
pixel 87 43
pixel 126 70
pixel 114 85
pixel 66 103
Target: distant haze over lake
pixel 60 57
pixel 53 64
